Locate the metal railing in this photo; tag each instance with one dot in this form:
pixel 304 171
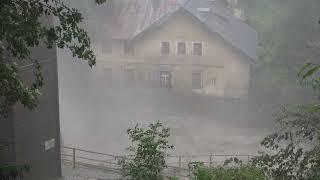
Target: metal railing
pixel 208 160
pixel 177 164
pixel 82 157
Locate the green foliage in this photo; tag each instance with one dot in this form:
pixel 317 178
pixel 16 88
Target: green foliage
pixel 13 90
pixel 149 149
pixel 102 1
pixel 8 172
pixel 222 173
pixel 11 171
pixel 292 152
pixel 288 35
pixel 173 178
pixel 225 172
pixel 294 149
pixel 309 75
pixel 21 29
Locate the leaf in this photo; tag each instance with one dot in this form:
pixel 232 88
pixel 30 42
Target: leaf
pixel 13 171
pixel 101 1
pixel 311 71
pixel 304 67
pixel 22 30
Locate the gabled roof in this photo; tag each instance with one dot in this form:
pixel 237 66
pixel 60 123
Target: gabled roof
pixel 213 15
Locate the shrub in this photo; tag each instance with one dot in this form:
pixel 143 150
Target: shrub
pixel 149 151
pixel 240 172
pixel 173 178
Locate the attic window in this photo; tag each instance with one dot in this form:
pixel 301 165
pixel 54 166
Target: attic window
pixel 165 48
pixel 197 49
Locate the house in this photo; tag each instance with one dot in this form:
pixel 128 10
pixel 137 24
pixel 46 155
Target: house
pixel 197 46
pixel 34 136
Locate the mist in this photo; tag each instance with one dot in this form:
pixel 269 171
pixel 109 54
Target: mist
pixel 98 105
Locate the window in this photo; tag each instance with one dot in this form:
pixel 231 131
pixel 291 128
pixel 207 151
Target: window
pixel 165 48
pixel 212 82
pixel 165 79
pixel 197 49
pixel 128 48
pixel 196 80
pixel 181 48
pixel 129 75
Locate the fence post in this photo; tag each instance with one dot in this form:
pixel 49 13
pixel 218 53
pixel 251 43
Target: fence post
pixel 180 165
pixel 123 166
pixel 73 157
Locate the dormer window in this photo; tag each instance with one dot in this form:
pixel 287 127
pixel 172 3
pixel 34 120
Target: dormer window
pixel 197 49
pixel 165 48
pixel 181 48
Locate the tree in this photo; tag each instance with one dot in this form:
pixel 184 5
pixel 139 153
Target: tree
pixel 294 149
pixel 149 152
pixel 21 30
pixel 286 31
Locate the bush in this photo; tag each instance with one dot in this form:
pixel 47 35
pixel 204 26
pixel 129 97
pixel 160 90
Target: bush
pixel 149 151
pixel 173 178
pixel 240 172
pixel 224 173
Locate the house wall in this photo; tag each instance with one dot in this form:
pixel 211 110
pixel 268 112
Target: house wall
pixel 221 63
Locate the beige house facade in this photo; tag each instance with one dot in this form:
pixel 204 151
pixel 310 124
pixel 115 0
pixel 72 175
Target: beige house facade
pixel 181 52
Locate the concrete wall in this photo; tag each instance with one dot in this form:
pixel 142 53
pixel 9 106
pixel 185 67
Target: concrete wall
pixel 29 130
pixel 7 150
pixel 32 129
pixel 229 68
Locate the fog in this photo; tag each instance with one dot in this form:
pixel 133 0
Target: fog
pixel 97 105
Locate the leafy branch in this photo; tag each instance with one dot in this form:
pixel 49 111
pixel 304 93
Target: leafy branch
pixel 24 25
